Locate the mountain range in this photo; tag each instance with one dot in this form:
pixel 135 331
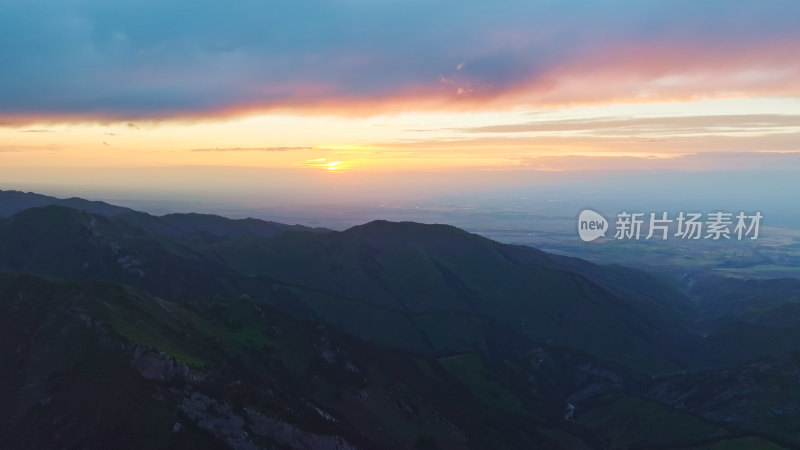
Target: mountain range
pixel 122 329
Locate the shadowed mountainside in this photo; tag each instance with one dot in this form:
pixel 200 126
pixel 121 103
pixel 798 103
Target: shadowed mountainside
pixel 101 365
pixel 252 334
pixel 431 288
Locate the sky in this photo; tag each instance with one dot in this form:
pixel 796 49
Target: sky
pixel 336 101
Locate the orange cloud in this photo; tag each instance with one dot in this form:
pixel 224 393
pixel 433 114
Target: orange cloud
pixel 618 73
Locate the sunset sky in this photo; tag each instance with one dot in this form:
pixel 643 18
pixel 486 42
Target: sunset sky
pixel 139 94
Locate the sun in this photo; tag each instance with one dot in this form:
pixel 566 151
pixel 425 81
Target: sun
pixel 324 163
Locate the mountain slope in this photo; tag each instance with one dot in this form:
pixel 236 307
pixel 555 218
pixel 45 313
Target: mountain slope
pixel 74 244
pixel 425 276
pixel 207 228
pixel 105 366
pixel 191 226
pixel 12 202
pixel 386 335
pixel 430 288
pixel 417 286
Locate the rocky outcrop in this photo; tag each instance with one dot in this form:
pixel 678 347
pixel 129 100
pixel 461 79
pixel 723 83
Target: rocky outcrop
pixel 251 429
pixel 158 366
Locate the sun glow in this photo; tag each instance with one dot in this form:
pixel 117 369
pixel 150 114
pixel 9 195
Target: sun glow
pixel 619 136
pixel 323 163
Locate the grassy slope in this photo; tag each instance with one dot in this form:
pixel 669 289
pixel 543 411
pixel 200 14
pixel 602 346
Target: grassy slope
pixel 66 361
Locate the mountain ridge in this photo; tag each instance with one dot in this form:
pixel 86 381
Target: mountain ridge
pixel 410 275
pixel 489 336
